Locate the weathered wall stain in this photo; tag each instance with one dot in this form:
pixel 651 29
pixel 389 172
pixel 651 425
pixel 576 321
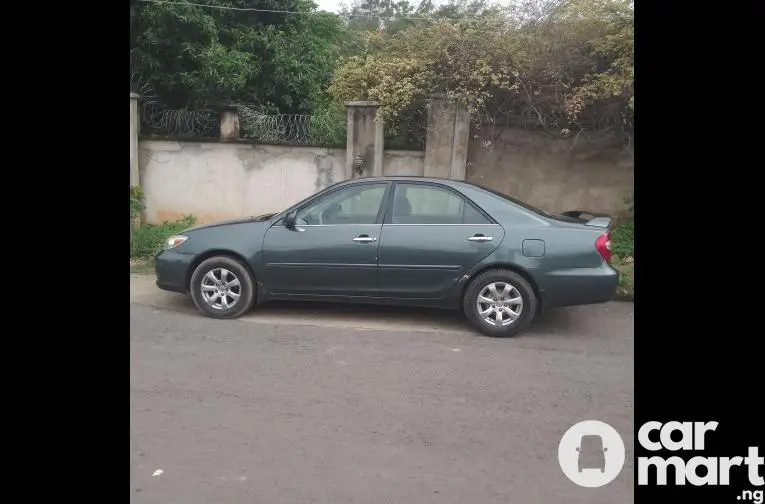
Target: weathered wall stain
pixel 555 175
pixel 399 162
pixel 324 171
pixel 221 181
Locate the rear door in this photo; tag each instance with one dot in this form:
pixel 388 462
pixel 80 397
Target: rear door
pixel 430 237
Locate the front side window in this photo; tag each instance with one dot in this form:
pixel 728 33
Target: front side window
pixel 358 204
pixel 428 204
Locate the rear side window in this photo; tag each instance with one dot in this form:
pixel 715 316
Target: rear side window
pixel 505 197
pixel 428 204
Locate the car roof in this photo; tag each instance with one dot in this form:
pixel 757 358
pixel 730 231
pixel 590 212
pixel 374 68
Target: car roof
pixel 404 178
pixel 448 182
pixel 407 178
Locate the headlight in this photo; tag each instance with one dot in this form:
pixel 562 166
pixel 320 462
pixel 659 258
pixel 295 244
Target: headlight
pixel 174 241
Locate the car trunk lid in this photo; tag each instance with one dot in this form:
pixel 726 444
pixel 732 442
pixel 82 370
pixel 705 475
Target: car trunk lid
pixel 592 219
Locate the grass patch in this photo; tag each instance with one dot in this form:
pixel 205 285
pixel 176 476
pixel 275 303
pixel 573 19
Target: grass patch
pixel 623 238
pixel 623 243
pixel 626 277
pixel 149 239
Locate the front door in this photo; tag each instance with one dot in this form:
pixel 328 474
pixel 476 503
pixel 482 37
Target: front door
pixel 431 237
pixel 333 249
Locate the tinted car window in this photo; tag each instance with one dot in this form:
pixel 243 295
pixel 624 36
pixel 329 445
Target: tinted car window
pixel 510 199
pixel 352 205
pixel 427 204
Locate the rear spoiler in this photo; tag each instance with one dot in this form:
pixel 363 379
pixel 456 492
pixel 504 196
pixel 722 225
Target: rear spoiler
pixel 600 220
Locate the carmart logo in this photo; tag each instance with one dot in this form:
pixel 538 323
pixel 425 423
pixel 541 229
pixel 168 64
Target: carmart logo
pixel 657 436
pixel 591 453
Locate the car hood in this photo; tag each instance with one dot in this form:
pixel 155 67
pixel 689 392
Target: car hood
pixel 259 218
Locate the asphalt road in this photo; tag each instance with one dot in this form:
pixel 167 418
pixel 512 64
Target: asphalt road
pixel 271 412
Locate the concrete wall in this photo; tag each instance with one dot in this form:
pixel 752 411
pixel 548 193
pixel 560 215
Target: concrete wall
pixel 217 181
pixel 400 162
pixel 554 175
pixel 232 178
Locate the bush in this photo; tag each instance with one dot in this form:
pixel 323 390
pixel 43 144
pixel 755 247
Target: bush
pixel 149 239
pixel 623 239
pixel 569 64
pixel 623 243
pixel 136 201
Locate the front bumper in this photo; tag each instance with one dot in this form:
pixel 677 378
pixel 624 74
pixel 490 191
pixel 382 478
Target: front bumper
pixel 173 270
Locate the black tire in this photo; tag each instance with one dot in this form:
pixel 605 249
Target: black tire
pixel 528 308
pixel 246 288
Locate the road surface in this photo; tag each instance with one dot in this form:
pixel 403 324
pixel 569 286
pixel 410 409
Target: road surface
pixel 275 409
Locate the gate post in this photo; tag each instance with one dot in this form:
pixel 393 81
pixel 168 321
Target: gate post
pixel 364 145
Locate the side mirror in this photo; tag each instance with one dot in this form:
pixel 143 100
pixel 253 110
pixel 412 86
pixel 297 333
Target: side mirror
pixel 605 450
pixel 289 220
pixel 577 448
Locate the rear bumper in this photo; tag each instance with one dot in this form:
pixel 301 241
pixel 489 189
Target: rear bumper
pixel 172 270
pixel 579 286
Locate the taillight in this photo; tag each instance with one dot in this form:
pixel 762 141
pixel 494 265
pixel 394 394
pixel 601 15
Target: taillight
pixel 603 244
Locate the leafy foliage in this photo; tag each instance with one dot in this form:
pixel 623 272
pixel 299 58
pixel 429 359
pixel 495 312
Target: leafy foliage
pixel 136 201
pixel 398 15
pixel 199 57
pixel 567 65
pixel 626 288
pixel 623 239
pixel 149 239
pixel 623 244
pixel 405 126
pixel 401 70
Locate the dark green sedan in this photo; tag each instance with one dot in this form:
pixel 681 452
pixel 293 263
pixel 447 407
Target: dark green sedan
pixel 399 241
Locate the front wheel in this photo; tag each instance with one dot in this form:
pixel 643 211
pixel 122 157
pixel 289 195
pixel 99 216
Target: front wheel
pixel 500 303
pixel 222 287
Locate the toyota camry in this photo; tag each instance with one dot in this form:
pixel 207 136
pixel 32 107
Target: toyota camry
pixel 399 241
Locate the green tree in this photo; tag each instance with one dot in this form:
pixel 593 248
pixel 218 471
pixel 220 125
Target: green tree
pixel 195 56
pixel 563 65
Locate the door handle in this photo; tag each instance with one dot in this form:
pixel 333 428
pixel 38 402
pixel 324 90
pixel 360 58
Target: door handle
pixel 480 238
pixel 364 239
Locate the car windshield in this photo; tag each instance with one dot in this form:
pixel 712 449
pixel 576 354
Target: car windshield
pixel 521 204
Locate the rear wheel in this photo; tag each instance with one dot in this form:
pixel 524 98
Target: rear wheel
pixel 222 287
pixel 500 303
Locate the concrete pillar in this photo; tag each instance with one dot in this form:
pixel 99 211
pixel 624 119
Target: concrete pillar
pixel 135 127
pixel 365 141
pixel 448 134
pixel 461 142
pixel 134 130
pixel 229 123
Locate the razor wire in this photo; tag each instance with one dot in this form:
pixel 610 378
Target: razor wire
pixel 181 123
pixel 295 129
pixel 157 119
pixel 298 129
